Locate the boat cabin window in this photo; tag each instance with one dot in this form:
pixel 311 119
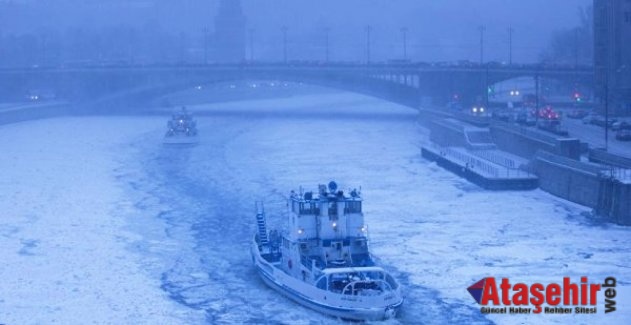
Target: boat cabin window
pixel 338 281
pixel 321 284
pixel 285 243
pixel 353 207
pixel 305 208
pixel 360 283
pixel 333 210
pixel 308 208
pixel 337 245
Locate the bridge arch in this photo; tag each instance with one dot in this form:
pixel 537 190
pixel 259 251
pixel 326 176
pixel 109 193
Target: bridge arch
pixel 141 93
pixel 402 84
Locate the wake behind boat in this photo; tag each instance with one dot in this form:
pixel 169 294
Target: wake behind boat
pixel 322 261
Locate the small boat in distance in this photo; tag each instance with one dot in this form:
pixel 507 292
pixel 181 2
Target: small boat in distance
pixel 322 260
pixel 181 129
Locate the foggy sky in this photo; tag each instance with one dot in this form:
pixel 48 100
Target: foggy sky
pixel 439 30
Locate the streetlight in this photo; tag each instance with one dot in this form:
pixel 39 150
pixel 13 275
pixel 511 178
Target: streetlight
pixel 537 96
pixel 487 89
pixel 619 70
pixel 251 34
pixel 182 47
pixel 284 29
pixel 576 50
pixel 205 31
pixel 510 45
pixel 404 31
pixel 326 44
pixel 368 31
pixel 44 49
pixel 482 29
pixel 607 110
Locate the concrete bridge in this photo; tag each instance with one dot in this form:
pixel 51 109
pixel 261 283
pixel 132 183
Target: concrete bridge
pixel 407 84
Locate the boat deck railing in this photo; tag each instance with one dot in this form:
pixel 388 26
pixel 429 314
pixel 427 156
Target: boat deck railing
pixel 366 288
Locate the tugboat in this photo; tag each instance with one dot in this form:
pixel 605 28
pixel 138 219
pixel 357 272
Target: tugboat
pixel 322 260
pixel 181 129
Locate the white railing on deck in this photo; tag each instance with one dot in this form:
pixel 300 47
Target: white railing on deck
pixel 470 161
pixel 485 163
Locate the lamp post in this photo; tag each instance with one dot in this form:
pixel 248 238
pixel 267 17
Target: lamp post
pixel 482 29
pixel 205 31
pixel 284 30
pixel 537 97
pixel 404 31
pixel 326 44
pixel 607 110
pixel 44 49
pixel 368 32
pixel 510 45
pixel 487 89
pixel 607 94
pixel 251 34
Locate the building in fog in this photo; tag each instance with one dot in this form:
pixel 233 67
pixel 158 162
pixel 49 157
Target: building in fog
pixel 228 44
pixel 612 53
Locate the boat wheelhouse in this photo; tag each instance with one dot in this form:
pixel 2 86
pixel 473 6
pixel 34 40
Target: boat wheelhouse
pixel 181 129
pixel 322 260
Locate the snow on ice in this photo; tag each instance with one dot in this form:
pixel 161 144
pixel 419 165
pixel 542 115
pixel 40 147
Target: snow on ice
pixel 101 223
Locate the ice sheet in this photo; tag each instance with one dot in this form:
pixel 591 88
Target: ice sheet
pixel 98 211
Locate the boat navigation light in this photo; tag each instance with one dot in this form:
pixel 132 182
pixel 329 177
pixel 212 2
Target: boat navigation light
pixel 300 231
pixel 334 224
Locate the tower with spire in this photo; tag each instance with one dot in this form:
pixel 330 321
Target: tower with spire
pixel 229 44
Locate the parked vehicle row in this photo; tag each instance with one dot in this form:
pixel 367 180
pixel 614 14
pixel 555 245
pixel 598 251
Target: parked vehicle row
pixel 623 135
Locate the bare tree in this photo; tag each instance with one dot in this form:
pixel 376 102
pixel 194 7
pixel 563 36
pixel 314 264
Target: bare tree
pixel 573 46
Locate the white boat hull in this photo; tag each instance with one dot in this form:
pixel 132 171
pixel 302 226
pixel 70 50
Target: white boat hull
pixel 177 140
pixel 326 302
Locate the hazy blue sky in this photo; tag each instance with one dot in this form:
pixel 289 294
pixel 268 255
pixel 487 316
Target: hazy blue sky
pixel 439 30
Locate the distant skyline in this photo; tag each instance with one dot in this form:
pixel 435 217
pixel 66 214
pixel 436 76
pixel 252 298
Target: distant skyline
pixel 444 30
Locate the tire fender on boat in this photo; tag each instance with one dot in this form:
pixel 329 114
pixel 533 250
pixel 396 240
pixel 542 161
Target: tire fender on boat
pixel 289 264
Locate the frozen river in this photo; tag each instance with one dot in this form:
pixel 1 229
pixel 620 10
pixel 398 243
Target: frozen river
pixel 102 223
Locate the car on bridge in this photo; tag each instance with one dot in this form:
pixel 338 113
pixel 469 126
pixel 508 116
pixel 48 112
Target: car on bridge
pixel 505 115
pixel 454 105
pixel 623 135
pixel 621 126
pixel 577 114
pixel 525 117
pixel 602 121
pixel 478 110
pixel 550 120
pixel 588 119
